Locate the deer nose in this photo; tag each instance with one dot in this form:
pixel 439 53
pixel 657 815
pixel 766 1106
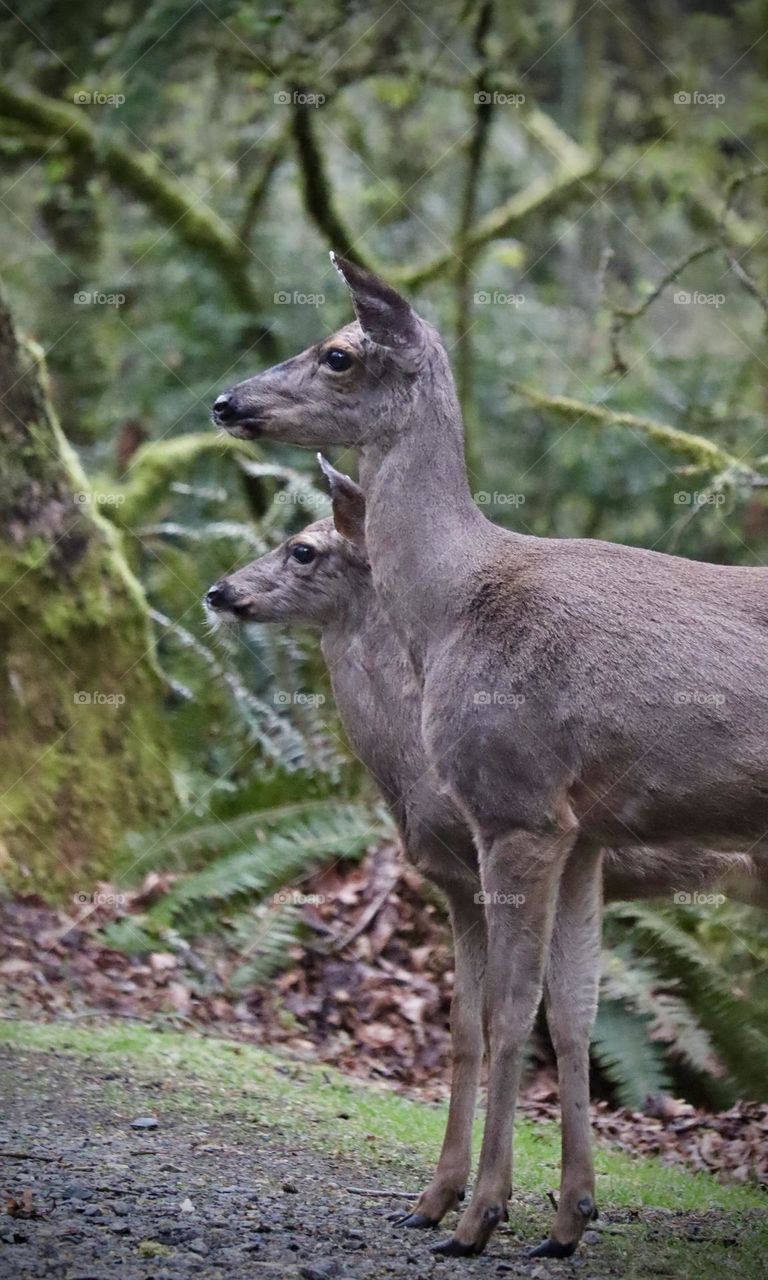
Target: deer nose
pixel 218 596
pixel 224 407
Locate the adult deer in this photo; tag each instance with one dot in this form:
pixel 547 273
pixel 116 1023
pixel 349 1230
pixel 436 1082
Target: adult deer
pixel 576 695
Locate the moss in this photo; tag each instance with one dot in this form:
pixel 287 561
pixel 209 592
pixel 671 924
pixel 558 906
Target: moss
pixel 685 444
pixel 83 747
pixel 159 462
pixel 139 174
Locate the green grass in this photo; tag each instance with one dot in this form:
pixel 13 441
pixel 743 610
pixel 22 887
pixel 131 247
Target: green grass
pixel 240 1076
pixel 400 1139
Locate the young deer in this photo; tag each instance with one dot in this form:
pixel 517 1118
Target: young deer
pixel 576 695
pixel 322 577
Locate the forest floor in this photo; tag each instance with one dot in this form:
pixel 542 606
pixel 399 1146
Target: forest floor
pixel 249 1163
pixel 375 1004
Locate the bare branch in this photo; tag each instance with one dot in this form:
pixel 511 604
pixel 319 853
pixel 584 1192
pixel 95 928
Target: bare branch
pixel 622 316
pixel 318 194
pixel 545 194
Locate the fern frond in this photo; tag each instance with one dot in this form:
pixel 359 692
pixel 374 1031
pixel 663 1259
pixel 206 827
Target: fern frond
pixel 195 844
pixel 632 1062
pixel 283 856
pixel 269 933
pixel 732 1023
pixel 275 734
pixel 635 982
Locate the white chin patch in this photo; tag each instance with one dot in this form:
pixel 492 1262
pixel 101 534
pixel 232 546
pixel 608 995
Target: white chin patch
pixel 218 620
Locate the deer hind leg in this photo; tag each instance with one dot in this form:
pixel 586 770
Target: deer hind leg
pixel 571 991
pixel 520 872
pixel 447 1187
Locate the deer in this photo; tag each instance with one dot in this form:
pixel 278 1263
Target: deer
pixel 321 577
pixel 576 694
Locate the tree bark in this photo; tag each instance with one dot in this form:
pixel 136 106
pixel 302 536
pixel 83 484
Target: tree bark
pixel 83 750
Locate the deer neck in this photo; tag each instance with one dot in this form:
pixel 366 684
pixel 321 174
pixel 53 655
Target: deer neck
pixel 422 526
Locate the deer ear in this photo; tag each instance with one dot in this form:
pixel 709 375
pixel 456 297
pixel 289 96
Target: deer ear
pixel 384 315
pixel 348 503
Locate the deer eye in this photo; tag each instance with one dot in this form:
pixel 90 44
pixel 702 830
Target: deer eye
pixel 303 553
pixel 337 360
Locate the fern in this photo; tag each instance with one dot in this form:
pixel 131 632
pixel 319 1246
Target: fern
pixel 707 1003
pixel 281 856
pixel 194 845
pixel 255 869
pixel 636 983
pixel 279 740
pixel 268 933
pixel 622 1046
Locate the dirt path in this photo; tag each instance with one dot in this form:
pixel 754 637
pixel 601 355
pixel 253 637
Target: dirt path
pixel 115 1201
pixel 214 1194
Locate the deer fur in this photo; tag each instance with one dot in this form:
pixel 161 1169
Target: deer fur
pixel 623 697
pixel 379 702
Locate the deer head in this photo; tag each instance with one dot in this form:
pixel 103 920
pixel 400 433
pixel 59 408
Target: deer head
pixel 362 385
pixel 315 577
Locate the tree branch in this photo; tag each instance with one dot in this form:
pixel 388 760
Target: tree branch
pixel 695 448
pixel 316 187
pixel 158 462
pixel 622 316
pixel 259 187
pixel 543 194
pixel 478 143
pixel 200 229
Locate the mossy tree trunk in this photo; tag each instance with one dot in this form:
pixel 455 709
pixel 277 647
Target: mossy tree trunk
pixel 83 753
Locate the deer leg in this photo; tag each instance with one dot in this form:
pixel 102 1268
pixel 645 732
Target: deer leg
pixel 520 872
pixel 571 991
pixel 450 1178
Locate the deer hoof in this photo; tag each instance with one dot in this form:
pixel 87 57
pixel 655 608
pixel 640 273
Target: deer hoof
pixel 587 1208
pixel 550 1248
pixel 413 1220
pixel 454 1248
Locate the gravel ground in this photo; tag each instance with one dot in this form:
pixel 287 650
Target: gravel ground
pixel 90 1194
pixel 92 1197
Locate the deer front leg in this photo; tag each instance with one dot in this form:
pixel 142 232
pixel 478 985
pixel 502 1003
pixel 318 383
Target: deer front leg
pixel 446 1189
pixel 520 873
pixel 571 991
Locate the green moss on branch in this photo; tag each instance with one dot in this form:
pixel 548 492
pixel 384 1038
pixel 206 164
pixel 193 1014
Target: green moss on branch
pixel 156 464
pixel 198 227
pixel 695 449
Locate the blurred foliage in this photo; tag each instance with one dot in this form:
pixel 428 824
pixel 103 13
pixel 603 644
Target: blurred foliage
pixel 574 192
